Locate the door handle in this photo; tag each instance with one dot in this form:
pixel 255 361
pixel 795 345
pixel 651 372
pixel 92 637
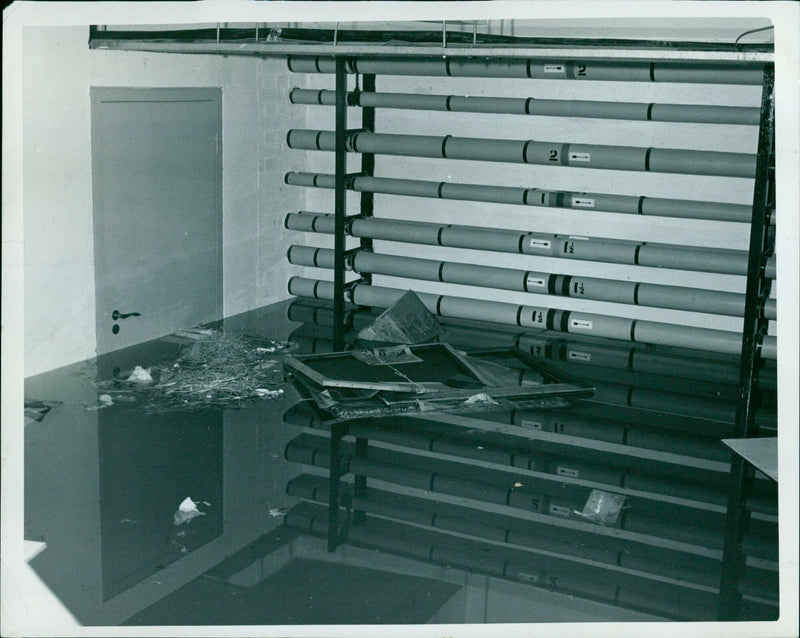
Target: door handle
pixel 119 315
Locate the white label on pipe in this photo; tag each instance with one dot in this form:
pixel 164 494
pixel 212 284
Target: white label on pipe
pixel 580 323
pixel 536 425
pixel 543 244
pixel 566 471
pixel 580 157
pixel 583 202
pixel 554 68
pixel 579 356
pixel 536 282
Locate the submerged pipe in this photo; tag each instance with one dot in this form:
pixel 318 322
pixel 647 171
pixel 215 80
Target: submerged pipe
pixel 543 318
pixel 598 156
pixel 715 260
pixel 540 69
pixel 697 113
pixel 629 204
pixel 626 292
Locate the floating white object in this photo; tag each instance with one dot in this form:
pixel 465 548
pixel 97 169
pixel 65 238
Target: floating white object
pixel 263 392
pixel 188 505
pixel 105 399
pixel 140 375
pixel 481 397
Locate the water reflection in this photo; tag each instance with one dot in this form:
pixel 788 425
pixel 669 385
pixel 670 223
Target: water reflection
pixel 461 521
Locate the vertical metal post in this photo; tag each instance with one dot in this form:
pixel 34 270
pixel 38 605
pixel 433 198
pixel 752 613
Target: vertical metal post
pixel 359 480
pixel 368 165
pixel 736 522
pixel 340 203
pixel 338 430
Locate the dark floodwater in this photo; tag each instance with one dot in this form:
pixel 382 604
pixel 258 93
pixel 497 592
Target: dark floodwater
pixel 465 519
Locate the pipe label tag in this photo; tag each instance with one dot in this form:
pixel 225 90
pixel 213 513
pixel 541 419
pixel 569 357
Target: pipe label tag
pixel 582 202
pixel 580 324
pixel 541 244
pixel 574 355
pixel 536 282
pixel 554 68
pixel 580 157
pixel 536 425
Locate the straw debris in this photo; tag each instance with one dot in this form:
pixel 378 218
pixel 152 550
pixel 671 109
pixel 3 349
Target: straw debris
pixel 215 370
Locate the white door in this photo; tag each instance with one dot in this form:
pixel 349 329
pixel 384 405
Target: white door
pixel 157 195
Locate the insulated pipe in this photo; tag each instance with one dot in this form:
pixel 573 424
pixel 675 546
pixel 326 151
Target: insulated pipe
pixel 716 260
pixel 599 156
pixel 627 292
pixel 698 113
pixel 543 69
pixel 544 318
pixel 631 204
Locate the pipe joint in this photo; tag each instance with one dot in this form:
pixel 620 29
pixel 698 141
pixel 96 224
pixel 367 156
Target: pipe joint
pixel 350 136
pixel 350 179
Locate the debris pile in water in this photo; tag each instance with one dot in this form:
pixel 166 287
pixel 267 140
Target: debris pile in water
pixel 215 370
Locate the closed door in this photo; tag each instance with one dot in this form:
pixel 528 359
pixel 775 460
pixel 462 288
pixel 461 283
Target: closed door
pixel 157 195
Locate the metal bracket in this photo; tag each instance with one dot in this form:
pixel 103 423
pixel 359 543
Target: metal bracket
pixel 349 287
pixel 349 138
pixel 349 258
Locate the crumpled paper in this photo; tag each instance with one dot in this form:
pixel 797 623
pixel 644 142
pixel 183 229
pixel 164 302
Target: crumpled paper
pixel 140 376
pixel 187 510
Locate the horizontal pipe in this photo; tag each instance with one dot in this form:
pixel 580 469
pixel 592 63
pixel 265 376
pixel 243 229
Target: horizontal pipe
pixel 538 317
pixel 626 292
pixel 597 156
pixel 629 204
pixel 716 260
pixel 697 113
pixel 540 69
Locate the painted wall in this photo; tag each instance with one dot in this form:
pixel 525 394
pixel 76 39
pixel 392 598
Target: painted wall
pixel 58 71
pixel 740 139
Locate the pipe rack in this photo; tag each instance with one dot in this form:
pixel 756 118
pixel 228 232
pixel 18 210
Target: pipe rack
pixel 753 345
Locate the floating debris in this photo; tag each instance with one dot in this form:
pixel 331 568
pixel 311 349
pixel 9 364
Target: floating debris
pixel 187 510
pixel 276 512
pixel 213 370
pixel 140 376
pixel 602 507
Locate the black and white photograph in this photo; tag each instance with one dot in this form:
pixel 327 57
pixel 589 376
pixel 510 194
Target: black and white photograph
pixel 400 319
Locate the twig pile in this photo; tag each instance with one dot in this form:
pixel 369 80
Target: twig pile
pixel 216 370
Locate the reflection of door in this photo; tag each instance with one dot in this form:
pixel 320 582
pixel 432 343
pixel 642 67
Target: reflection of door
pixel 157 194
pixel 149 463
